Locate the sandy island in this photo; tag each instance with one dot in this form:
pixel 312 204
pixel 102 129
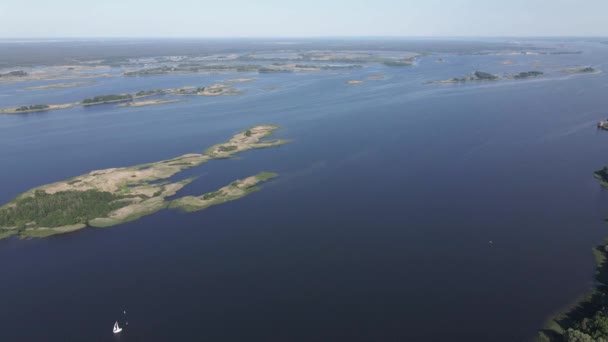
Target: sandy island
pixel 212 90
pixel 146 103
pixel 55 73
pixel 241 80
pixel 376 77
pixel 60 85
pixel 127 193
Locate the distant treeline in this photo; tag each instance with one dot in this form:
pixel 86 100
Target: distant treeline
pixel 528 74
pixel 485 76
pixel 17 73
pixel 397 63
pixel 32 107
pixel 107 98
pixel 191 68
pixel 149 92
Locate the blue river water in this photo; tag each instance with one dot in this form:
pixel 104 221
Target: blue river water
pixel 378 228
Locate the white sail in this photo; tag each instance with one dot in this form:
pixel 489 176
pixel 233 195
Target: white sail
pixel 116 329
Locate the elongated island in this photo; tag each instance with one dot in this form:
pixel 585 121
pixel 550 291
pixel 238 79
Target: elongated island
pixel 109 197
pixel 127 99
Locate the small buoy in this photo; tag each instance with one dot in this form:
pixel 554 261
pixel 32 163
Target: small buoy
pixel 491 242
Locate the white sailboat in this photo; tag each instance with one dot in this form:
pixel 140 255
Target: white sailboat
pixel 117 329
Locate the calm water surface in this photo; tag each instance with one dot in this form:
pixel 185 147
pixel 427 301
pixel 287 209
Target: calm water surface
pixel 377 229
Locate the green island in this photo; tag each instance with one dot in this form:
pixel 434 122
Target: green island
pixel 475 77
pixel 32 108
pixel 109 197
pixel 212 90
pixel 587 320
pixel 376 77
pixel 528 74
pixel 146 103
pixel 400 62
pixel 185 68
pixel 234 191
pixel 16 73
pixel 60 85
pixel 106 99
pixel 585 70
pixel 354 82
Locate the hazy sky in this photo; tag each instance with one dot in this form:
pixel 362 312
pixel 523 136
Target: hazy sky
pixel 247 18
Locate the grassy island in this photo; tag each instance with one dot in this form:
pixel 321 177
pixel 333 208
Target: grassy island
pixel 146 103
pixel 212 90
pixel 399 63
pixel 106 99
pixel 602 175
pixel 528 74
pixel 585 70
pixel 32 108
pixel 475 77
pixel 16 73
pixel 60 85
pixel 109 197
pixel 376 77
pixel 231 192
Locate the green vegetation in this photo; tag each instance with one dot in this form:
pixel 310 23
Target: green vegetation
pixel 16 73
pixel 264 176
pixel 248 133
pixel 104 198
pixel 231 192
pixel 476 76
pixel 149 92
pixel 151 71
pixel 107 98
pixel 228 148
pixel 328 67
pixel 398 63
pixel 485 76
pixel 211 195
pixel 4 233
pixel 58 209
pixel 580 70
pixel 588 321
pixel 272 70
pixel 192 68
pixel 602 175
pixel 32 107
pixel 528 74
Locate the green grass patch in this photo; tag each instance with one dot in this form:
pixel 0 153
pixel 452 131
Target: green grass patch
pixel 264 176
pixel 4 233
pixel 58 209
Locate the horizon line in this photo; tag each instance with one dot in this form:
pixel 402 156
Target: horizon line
pixel 306 37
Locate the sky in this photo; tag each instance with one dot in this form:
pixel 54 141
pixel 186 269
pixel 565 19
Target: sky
pixel 310 18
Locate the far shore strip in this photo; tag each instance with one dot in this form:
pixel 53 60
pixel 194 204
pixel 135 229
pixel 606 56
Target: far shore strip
pixel 212 90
